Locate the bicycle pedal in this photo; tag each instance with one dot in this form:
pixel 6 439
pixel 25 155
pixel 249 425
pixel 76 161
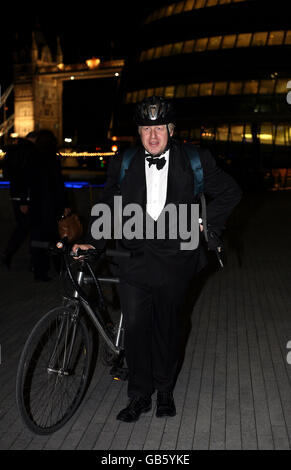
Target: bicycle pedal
pixel 119 373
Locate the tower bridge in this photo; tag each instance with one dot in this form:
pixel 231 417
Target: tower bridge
pixel 38 88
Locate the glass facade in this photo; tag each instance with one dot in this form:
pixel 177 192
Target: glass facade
pixel 247 87
pixel 230 41
pixel 267 133
pixel 233 99
pixel 188 5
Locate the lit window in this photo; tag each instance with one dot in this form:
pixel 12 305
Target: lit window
pixel 214 43
pixel 169 92
pixel 251 87
pixel 235 88
pixel 281 135
pixel 189 5
pixel 267 87
pixel 195 134
pixel 228 41
pixel 259 39
pixel 200 4
pixel 169 10
pixel 150 92
pixel 177 48
pixel 206 89
pixel 159 91
pixel 143 56
pixel 236 133
pixel 248 135
pixel 150 53
pixel 141 95
pixel 211 3
pixel 178 8
pixel 167 49
pixel 288 37
pixel 244 40
pixel 158 52
pixel 128 97
pixel 161 13
pixel 134 96
pixel 156 15
pixel 181 91
pixel 220 88
pixel 281 85
pixel 201 44
pixel 188 47
pixel 266 134
pixel 192 89
pixel 222 133
pixel 149 18
pixel 276 38
pixel 208 133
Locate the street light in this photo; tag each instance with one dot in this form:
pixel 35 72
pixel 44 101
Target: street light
pixel 93 63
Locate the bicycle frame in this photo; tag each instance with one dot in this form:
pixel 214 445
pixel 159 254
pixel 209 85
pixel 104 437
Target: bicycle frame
pixel 93 315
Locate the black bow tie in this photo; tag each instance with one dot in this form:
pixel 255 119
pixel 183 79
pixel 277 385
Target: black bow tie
pixel 158 161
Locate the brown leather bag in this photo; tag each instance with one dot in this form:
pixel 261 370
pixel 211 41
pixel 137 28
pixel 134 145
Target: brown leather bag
pixel 70 226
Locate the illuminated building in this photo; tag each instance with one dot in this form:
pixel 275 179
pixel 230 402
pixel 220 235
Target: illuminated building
pixel 225 65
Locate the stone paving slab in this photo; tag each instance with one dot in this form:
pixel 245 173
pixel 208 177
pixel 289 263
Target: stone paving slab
pixel 234 388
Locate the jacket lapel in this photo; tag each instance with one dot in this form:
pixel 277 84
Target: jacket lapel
pixel 134 183
pixel 176 175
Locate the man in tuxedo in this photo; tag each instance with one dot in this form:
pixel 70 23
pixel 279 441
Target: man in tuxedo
pixel 155 280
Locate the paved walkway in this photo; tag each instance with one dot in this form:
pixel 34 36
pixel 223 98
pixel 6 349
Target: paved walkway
pixel 234 388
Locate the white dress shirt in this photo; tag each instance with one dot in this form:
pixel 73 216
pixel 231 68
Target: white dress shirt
pixel 156 183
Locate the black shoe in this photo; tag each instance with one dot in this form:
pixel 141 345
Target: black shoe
pixel 165 405
pixel 136 406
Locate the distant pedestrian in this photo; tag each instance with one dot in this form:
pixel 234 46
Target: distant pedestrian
pixel 48 201
pixel 16 169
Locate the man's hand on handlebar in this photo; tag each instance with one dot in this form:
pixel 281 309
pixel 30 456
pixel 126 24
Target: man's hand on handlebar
pixel 82 247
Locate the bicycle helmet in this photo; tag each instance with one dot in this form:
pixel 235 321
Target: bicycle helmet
pixel 154 111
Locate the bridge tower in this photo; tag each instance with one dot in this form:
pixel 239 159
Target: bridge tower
pixel 38 85
pixel 37 93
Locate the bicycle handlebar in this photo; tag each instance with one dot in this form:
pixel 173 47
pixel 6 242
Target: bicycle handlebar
pixel 62 247
pixel 97 253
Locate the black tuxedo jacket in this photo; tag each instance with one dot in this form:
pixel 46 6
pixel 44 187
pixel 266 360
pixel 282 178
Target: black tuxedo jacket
pixel 162 262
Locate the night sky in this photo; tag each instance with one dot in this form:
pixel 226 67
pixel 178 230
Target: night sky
pixel 85 29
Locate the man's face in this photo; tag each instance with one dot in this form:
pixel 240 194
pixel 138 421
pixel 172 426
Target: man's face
pixel 154 138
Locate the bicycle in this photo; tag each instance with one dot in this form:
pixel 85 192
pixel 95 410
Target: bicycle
pixel 54 370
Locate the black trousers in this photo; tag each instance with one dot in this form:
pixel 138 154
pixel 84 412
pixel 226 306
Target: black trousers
pixel 40 257
pixel 153 324
pixel 20 231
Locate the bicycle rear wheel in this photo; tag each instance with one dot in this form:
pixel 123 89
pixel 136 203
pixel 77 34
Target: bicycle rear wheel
pixel 53 372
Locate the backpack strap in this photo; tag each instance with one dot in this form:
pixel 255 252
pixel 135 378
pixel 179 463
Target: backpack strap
pixel 126 159
pixel 195 161
pixel 196 165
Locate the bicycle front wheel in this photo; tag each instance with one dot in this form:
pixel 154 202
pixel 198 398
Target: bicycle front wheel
pixel 53 371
